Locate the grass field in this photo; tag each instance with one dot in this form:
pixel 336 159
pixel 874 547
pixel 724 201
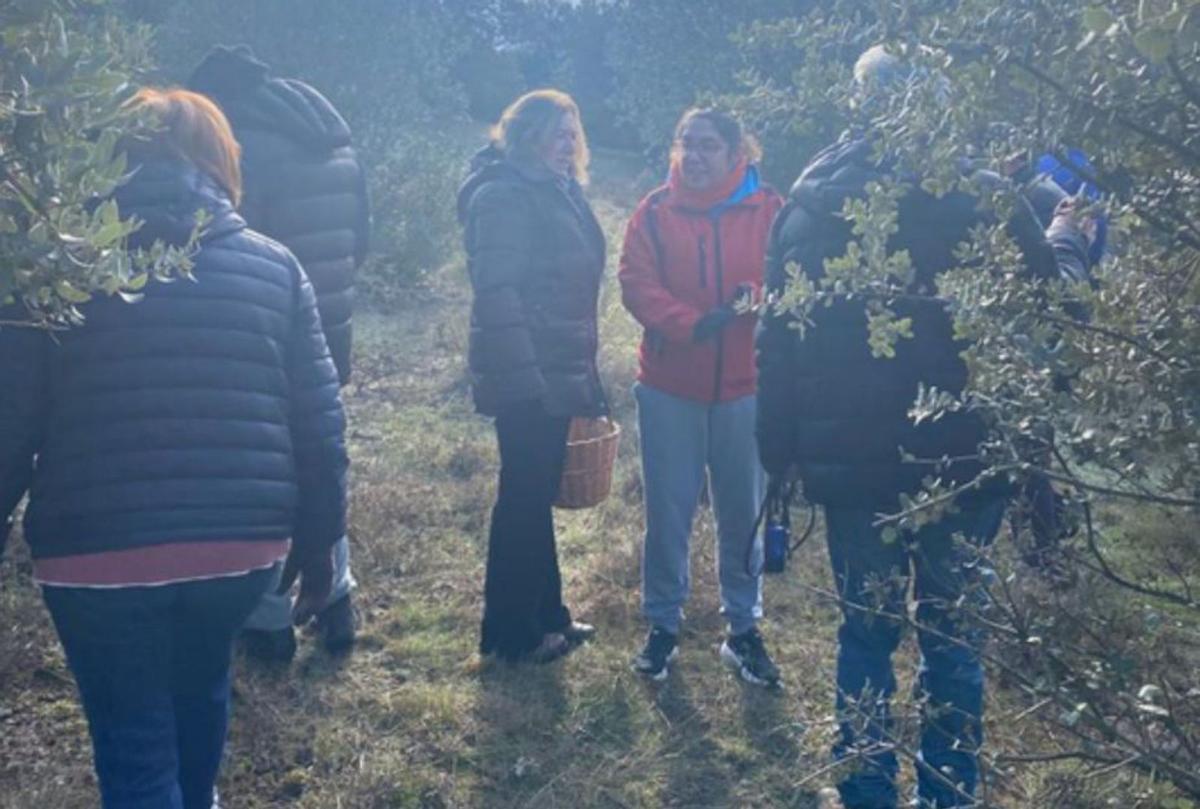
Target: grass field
pixel 412 718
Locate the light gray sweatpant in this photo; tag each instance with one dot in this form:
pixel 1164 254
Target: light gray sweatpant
pixel 274 612
pixel 679 439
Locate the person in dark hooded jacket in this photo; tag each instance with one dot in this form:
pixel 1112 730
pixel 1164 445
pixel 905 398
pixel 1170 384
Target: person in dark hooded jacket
pixel 304 186
pixel 170 450
pixel 535 254
pixel 836 417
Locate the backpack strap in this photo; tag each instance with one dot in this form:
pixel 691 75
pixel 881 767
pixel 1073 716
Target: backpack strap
pixel 653 338
pixel 660 255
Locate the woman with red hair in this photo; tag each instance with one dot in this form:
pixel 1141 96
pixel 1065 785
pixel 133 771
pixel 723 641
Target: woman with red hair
pixel 185 446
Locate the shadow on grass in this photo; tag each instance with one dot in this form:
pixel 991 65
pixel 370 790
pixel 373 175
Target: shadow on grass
pixel 771 730
pixel 519 718
pixel 696 773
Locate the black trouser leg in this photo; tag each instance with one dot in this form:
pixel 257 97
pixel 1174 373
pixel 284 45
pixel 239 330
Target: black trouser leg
pixel 523 591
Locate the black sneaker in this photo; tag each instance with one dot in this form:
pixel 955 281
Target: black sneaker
pixel 269 645
pixel 746 654
pixel 655 658
pixel 336 625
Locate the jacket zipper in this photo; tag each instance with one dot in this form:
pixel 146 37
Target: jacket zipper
pixel 703 261
pixel 585 223
pixel 719 283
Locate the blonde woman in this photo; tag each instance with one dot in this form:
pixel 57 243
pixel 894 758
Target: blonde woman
pixel 536 257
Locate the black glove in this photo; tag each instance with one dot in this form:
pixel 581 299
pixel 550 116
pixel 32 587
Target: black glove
pixel 716 319
pixel 315 571
pixel 712 322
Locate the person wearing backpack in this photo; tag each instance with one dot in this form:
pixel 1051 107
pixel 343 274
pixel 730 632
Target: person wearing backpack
pixel 305 187
pixel 691 269
pixel 836 417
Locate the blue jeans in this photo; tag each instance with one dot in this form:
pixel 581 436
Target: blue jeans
pixel 679 439
pixel 152 667
pixel 274 611
pixel 872 577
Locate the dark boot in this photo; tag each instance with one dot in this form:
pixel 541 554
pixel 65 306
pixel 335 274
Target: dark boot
pixel 337 626
pixel 269 645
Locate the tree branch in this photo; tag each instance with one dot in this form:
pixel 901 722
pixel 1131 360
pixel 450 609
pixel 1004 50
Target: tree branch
pixel 1181 150
pixel 1189 87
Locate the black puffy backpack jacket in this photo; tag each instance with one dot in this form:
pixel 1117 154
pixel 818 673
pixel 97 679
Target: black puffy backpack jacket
pixel 209 410
pixel 827 408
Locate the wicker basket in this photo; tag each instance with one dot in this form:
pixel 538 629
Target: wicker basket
pixel 587 471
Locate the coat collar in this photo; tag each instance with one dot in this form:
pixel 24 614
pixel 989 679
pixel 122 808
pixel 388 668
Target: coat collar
pixel 730 192
pixel 166 195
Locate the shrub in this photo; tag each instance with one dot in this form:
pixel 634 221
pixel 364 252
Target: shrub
pixel 666 55
pixel 65 68
pixel 989 82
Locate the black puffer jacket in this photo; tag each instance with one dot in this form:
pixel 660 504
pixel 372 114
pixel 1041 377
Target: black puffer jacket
pixel 830 409
pixel 535 253
pixel 208 411
pixel 303 183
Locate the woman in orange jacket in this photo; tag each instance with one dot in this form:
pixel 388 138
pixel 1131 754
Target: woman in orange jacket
pixel 691 269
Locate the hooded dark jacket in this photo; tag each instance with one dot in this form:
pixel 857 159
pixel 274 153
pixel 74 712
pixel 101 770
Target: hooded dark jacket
pixel 535 254
pixel 830 409
pixel 303 184
pixel 207 411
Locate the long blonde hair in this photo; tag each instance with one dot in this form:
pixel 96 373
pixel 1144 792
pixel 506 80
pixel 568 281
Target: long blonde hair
pixel 527 123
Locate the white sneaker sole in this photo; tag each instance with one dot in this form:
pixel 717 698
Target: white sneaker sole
pixel 730 659
pixel 660 675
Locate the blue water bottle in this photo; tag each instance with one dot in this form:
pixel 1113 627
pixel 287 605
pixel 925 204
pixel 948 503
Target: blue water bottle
pixel 776 539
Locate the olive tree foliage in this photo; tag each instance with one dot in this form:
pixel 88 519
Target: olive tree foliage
pixel 667 55
pixel 65 68
pixel 526 44
pixel 1107 404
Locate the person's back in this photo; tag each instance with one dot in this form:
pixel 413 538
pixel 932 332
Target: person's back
pixel 184 445
pixel 833 408
pixel 304 184
pixel 837 417
pixel 170 419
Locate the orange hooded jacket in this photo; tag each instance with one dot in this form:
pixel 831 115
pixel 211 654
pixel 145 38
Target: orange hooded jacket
pixel 685 253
